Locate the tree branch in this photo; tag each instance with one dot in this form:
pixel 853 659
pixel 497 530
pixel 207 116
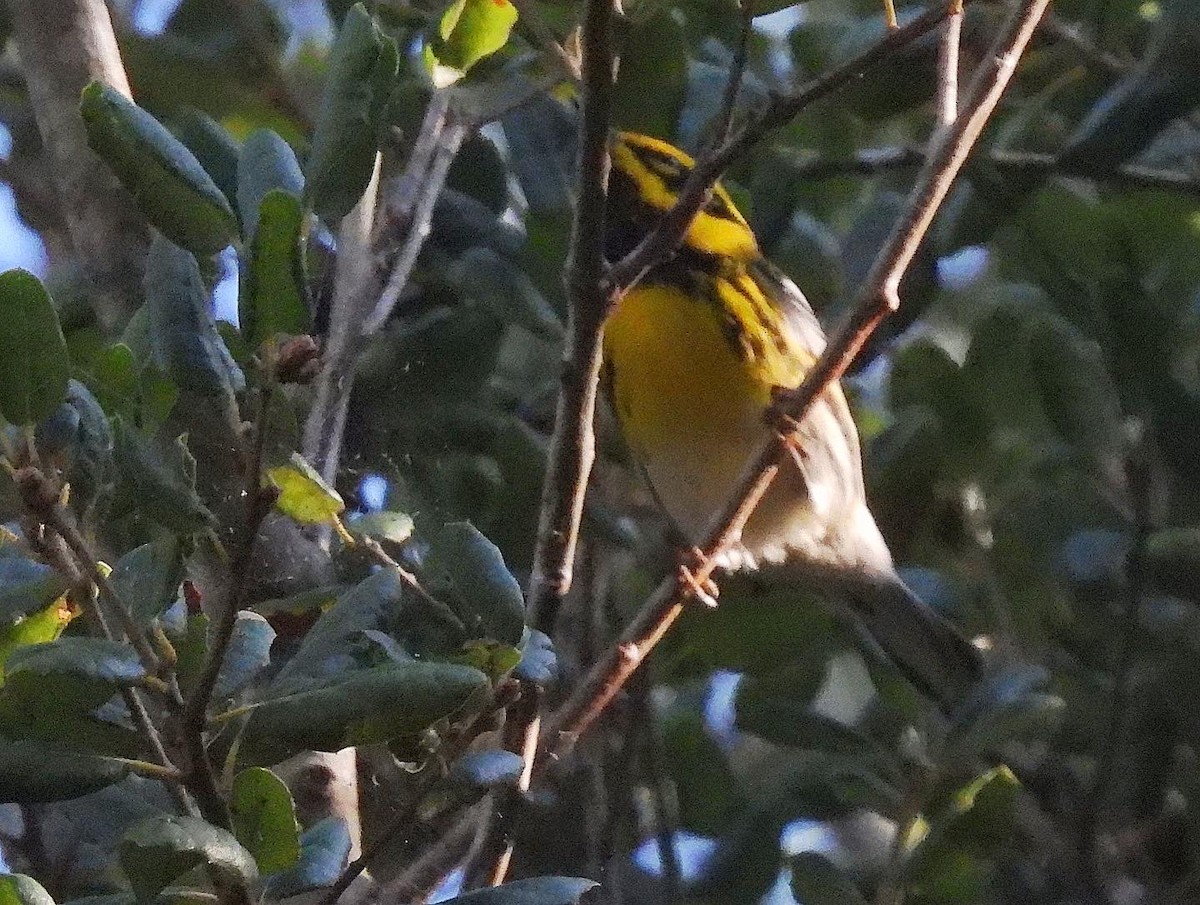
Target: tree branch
pixel 61 51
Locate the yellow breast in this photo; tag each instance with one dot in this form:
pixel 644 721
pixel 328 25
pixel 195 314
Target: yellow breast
pixel 690 380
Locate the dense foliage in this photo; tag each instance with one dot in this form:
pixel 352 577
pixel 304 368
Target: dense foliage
pixel 193 591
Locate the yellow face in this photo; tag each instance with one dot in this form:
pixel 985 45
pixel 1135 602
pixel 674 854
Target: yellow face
pixel 647 177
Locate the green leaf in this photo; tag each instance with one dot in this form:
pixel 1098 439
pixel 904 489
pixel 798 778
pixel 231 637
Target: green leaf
pixel 26 586
pixel 324 854
pixel 158 850
pixel 36 628
pixel 359 707
pixel 111 662
pixel 163 483
pixel 469 31
pixel 33 352
pixel 534 891
pixel 266 163
pixel 147 578
pixel 264 819
pixel 303 494
pixel 394 527
pixel 653 53
pixel 33 772
pixel 467 570
pixel 248 654
pixel 274 295
pixel 815 881
pixel 191 646
pixel 704 781
pixel 18 889
pixel 183 334
pixel 170 187
pixel 362 72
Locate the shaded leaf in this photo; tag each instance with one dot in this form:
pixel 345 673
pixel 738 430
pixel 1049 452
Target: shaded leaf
pixel 33 772
pixel 539 662
pixel 33 352
pixel 158 850
pixel 163 483
pixel 274 296
pixel 183 333
pixel 147 578
pixel 26 586
pixel 815 881
pixel 486 769
pixel 534 891
pixel 170 187
pixel 112 662
pixel 362 70
pixel 265 164
pixel 249 653
pixel 359 707
pixel 468 571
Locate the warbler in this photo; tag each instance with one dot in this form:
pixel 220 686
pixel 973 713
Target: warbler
pixel 694 355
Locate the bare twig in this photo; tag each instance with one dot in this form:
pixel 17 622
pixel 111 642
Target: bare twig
pixel 947 77
pixel 193 719
pixel 572 448
pixel 326 422
pixel 61 51
pixel 382 265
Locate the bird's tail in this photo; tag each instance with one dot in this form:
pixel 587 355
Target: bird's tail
pixel 931 652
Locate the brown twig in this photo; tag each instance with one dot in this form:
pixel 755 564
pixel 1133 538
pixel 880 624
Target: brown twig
pixel 947 74
pixel 193 719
